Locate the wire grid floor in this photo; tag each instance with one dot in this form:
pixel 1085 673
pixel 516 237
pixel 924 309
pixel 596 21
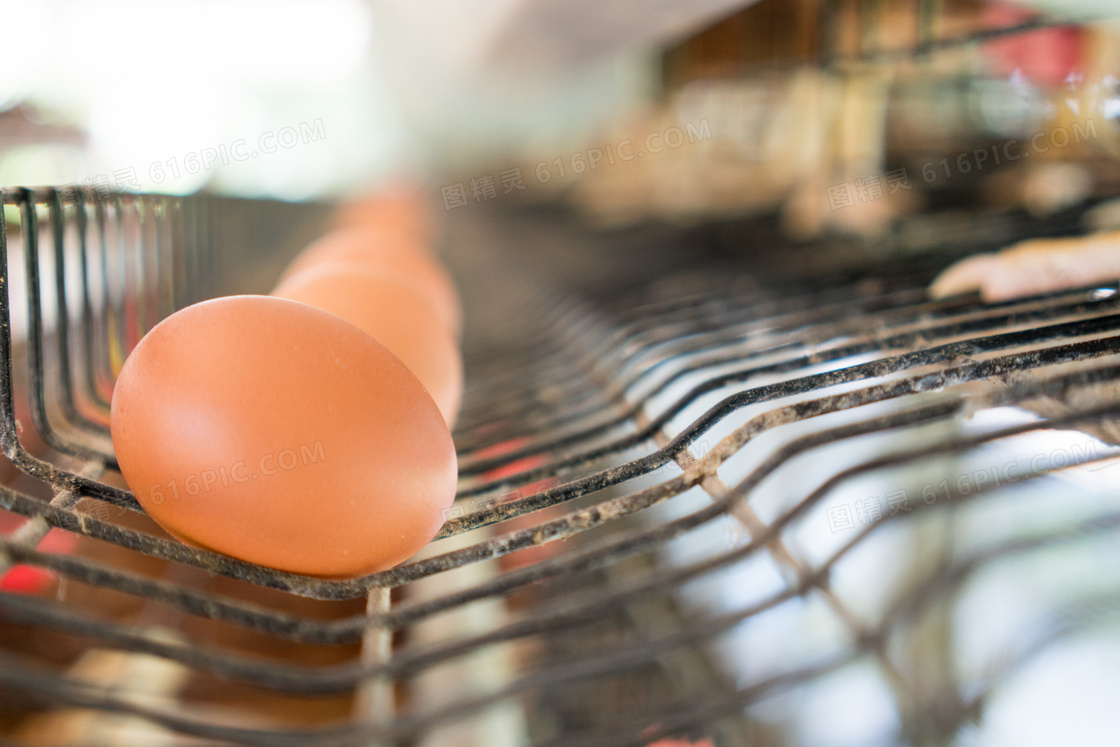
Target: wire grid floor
pixel 563 448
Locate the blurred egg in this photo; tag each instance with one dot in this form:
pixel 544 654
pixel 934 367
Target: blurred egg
pixel 274 432
pixel 391 256
pixel 393 312
pixel 401 208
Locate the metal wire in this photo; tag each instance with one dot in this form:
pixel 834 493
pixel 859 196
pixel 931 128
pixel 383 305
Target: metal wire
pixel 577 441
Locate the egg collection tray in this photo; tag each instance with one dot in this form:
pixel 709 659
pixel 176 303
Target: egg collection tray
pixel 632 454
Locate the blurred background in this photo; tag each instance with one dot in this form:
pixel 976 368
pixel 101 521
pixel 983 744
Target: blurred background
pixel 293 100
pixel 778 108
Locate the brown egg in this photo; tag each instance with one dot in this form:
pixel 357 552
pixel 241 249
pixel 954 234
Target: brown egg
pixel 391 256
pixel 402 208
pixel 393 312
pixel 274 432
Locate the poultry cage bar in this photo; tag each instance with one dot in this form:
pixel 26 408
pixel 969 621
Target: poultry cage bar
pixel 787 354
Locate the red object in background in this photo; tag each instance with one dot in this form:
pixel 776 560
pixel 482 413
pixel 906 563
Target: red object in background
pixel 26 579
pixel 530 555
pixel 1046 57
pixel 673 741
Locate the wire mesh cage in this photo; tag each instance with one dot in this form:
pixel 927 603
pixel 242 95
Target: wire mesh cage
pixel 724 511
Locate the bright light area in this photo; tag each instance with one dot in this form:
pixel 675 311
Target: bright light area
pixel 851 708
pixel 289 43
pixel 1068 695
pixel 271 98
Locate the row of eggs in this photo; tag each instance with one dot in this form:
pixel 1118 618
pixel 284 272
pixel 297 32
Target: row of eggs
pixel 307 430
